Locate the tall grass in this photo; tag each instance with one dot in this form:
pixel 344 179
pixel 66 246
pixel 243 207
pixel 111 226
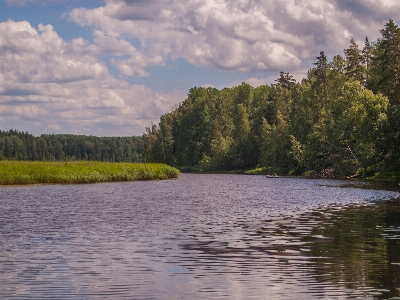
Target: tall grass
pixel 31 172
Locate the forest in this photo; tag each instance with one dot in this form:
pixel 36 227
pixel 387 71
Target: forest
pixel 16 145
pixel 343 119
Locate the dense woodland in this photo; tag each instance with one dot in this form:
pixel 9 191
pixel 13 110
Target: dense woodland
pixel 15 145
pixel 342 119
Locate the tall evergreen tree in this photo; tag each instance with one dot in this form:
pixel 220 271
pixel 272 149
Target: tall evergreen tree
pixel 385 73
pixel 318 77
pixel 385 79
pixel 286 80
pixel 321 70
pixel 367 55
pixel 354 61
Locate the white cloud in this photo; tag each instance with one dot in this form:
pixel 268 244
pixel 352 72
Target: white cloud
pixel 65 86
pixel 247 35
pixel 255 81
pixel 24 49
pixel 208 33
pixel 37 2
pixel 68 86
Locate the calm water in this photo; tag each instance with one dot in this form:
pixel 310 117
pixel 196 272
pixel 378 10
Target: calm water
pixel 200 237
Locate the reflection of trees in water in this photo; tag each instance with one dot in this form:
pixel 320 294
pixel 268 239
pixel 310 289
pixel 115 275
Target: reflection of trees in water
pixel 335 251
pixel 353 249
pixel 392 217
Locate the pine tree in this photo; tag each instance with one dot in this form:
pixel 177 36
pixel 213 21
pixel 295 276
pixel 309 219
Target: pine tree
pixel 355 61
pixel 385 76
pixel 367 56
pixel 286 80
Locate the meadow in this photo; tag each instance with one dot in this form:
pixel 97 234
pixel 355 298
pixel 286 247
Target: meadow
pixel 34 172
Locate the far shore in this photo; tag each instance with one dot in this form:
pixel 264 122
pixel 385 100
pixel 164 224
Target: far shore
pixel 327 174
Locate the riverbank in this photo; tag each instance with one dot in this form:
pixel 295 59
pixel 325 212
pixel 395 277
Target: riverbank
pixel 33 172
pixel 326 173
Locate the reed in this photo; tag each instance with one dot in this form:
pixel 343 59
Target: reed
pixel 33 172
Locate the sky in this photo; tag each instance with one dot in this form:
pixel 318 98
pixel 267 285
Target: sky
pixel 113 67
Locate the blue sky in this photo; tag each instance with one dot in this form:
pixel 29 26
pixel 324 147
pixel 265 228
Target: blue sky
pixel 111 68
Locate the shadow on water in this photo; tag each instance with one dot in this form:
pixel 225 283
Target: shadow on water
pixel 335 251
pixel 358 247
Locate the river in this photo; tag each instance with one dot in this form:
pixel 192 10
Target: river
pixel 201 237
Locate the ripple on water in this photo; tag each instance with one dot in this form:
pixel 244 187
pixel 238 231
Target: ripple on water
pixel 202 236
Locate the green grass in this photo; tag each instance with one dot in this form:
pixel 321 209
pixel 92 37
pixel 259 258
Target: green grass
pixel 33 172
pixel 262 171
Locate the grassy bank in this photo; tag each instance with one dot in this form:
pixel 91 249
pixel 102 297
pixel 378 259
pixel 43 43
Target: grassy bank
pixel 31 172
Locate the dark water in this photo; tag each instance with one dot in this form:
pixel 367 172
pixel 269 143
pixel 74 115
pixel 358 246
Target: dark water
pixel 201 237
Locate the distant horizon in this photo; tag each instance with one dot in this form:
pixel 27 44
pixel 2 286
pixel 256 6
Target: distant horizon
pixel 66 133
pixel 111 68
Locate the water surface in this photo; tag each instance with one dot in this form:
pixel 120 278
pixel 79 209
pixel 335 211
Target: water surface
pixel 200 237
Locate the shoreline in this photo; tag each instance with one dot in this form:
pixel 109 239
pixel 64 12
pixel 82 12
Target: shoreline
pixel 311 175
pixel 16 173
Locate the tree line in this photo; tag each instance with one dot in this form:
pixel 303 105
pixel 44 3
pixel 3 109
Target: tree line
pixel 16 145
pixel 343 118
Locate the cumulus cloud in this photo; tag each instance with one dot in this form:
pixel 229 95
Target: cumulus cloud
pixel 246 35
pixel 255 81
pixel 369 10
pixel 206 33
pixel 70 86
pixel 56 85
pixel 25 2
pixel 24 49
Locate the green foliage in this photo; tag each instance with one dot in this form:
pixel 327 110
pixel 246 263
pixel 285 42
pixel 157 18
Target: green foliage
pixel 262 171
pixel 287 130
pixel 342 119
pixel 15 145
pixel 25 172
pixel 286 80
pixel 384 78
pixel 220 158
pixel 355 62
